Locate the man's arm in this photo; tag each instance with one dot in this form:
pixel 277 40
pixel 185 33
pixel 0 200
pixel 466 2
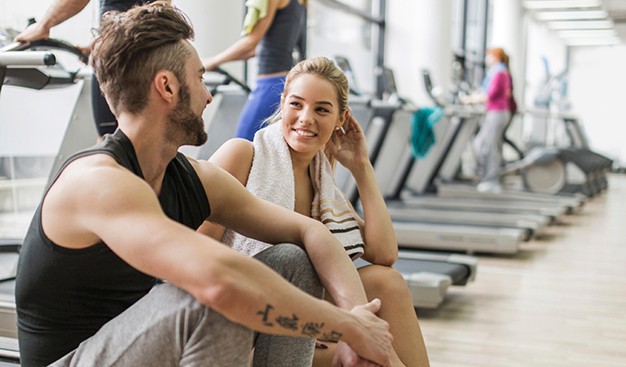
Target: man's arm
pixel 57 13
pixel 123 211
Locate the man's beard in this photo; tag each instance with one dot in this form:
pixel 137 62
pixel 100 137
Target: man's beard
pixel 185 123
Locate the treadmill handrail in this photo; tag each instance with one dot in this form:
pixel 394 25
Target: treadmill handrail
pixel 34 58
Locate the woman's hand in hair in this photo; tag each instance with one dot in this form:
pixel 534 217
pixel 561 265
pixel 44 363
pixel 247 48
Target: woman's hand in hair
pixel 348 144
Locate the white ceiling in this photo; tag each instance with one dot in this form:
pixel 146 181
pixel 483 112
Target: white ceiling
pixel 616 10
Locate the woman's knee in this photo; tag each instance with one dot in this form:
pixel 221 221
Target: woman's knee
pixel 379 280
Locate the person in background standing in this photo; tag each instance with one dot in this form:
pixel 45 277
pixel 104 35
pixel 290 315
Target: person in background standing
pixel 271 31
pixel 497 94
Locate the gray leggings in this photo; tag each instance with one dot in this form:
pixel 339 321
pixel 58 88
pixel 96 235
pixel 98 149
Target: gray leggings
pixel 168 327
pixel 488 145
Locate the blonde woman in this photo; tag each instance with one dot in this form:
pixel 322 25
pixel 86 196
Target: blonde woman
pixel 289 163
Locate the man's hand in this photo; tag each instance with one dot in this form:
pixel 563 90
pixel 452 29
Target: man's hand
pixel 33 32
pixel 373 342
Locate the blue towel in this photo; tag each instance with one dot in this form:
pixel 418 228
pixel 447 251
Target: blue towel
pixel 422 136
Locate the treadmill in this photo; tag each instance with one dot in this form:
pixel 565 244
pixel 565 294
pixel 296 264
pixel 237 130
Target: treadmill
pixel 428 275
pixel 29 171
pixel 395 183
pixel 417 227
pixel 448 166
pixel 463 130
pixel 431 228
pixel 421 186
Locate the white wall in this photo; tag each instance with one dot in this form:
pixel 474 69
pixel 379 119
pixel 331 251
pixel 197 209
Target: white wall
pixel 596 92
pixel 419 35
pixel 542 43
pixel 334 33
pixel 217 24
pixel 508 32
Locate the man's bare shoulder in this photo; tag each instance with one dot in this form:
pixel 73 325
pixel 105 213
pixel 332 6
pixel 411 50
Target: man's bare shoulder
pixel 96 178
pixel 90 191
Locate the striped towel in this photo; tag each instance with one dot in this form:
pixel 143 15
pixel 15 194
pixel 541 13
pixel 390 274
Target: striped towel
pixel 271 178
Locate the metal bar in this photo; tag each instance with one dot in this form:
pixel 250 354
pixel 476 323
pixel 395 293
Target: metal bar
pixel 354 11
pixel 379 46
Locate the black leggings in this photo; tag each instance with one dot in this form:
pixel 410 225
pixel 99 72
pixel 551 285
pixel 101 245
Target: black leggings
pixel 102 115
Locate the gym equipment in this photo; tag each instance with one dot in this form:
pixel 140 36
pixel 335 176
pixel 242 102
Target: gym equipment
pixel 22 67
pixel 546 170
pixel 428 275
pixel 420 227
pixel 584 170
pixel 443 180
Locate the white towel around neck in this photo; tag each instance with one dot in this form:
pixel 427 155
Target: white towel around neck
pixel 271 178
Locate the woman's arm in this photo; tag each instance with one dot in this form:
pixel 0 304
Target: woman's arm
pixel 235 157
pixel 245 47
pixel 350 150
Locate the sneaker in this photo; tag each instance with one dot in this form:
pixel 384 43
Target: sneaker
pixel 488 186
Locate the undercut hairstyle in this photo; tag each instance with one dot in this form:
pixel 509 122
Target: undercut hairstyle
pixel 134 45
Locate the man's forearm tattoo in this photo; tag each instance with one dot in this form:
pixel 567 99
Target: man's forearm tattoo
pixel 310 329
pixel 290 323
pixel 331 336
pixel 265 314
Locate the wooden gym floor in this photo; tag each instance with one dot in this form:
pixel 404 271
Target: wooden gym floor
pixel 561 301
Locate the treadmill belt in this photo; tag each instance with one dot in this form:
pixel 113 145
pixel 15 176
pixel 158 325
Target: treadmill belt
pixel 7 290
pixel 457 272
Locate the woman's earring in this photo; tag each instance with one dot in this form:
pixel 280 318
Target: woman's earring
pixel 340 128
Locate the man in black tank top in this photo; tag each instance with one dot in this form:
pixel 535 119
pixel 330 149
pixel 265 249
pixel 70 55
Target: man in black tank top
pixel 123 214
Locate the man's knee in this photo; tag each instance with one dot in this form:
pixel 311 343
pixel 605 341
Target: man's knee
pixel 293 263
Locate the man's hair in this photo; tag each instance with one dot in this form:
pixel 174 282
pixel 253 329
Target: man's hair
pixel 133 46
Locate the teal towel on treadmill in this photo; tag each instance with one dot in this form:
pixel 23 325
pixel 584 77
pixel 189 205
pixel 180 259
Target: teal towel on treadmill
pixel 422 136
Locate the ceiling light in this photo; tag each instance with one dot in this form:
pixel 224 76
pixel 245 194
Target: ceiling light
pixel 611 41
pixel 572 15
pixel 561 4
pixel 581 24
pixel 594 33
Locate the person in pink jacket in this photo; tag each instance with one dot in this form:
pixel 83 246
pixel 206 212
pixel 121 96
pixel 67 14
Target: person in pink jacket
pixel 500 106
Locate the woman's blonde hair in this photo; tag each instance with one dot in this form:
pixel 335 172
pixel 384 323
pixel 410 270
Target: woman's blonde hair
pixel 324 68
